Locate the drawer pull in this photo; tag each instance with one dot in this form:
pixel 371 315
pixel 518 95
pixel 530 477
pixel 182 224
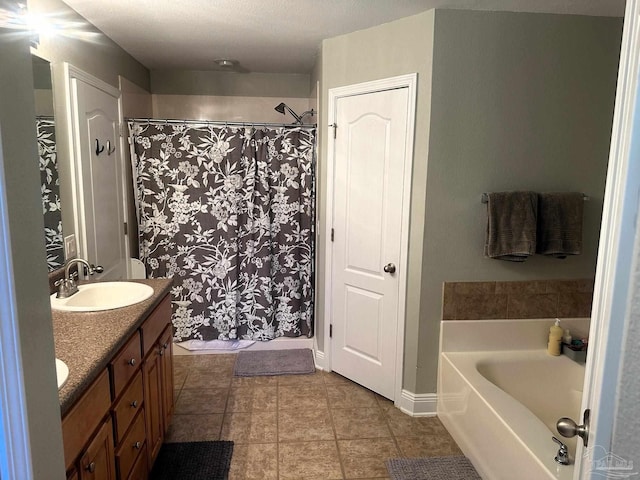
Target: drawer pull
pixel 91 467
pixel 132 362
pixel 134 404
pixel 137 445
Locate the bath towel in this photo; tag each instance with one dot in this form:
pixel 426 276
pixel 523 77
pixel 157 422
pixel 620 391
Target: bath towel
pixel 511 225
pixel 560 224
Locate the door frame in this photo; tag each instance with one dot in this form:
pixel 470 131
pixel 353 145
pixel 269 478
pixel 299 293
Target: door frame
pixel 408 81
pixel 72 73
pixel 612 291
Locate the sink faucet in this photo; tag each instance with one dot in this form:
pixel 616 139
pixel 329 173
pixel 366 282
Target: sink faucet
pixel 563 453
pixel 67 285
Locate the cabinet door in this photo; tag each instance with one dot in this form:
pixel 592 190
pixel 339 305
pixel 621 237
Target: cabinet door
pixel 73 476
pixel 153 402
pixel 98 462
pixel 166 346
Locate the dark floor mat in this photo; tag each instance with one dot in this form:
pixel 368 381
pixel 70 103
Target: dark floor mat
pixel 193 461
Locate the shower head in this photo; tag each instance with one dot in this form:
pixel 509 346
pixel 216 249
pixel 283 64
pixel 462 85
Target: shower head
pixel 281 107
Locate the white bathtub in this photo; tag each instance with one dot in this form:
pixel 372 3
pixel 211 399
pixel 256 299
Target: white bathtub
pixel 501 407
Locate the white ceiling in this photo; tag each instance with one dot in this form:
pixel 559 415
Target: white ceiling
pixel 271 35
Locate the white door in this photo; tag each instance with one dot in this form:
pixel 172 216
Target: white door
pixel 100 226
pixel 370 162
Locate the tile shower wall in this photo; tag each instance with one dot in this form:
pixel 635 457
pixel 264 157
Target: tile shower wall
pixel 529 299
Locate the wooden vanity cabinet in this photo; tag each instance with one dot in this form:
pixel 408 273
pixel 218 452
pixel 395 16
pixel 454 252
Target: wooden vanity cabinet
pixel 116 428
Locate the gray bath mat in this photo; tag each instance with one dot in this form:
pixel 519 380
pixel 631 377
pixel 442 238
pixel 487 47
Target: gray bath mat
pixel 274 362
pixel 455 467
pixel 193 461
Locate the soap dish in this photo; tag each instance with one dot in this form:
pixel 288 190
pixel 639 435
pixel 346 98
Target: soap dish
pixel 576 354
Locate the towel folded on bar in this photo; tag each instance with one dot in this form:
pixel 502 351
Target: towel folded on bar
pixel 511 225
pixel 560 224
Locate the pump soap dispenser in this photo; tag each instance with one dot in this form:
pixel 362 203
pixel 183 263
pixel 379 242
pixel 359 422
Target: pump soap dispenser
pixel 555 339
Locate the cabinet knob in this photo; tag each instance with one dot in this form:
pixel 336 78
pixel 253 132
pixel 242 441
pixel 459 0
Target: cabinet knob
pixel 132 362
pixel 165 345
pixel 134 404
pixel 137 445
pixel 161 352
pixel 91 467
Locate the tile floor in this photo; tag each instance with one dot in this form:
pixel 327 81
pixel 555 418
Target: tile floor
pixel 318 426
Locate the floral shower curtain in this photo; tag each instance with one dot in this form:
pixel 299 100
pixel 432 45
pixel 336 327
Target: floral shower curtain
pixel 228 212
pixel 50 189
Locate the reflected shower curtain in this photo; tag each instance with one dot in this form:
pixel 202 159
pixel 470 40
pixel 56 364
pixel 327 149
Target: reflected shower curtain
pixel 228 212
pixel 50 190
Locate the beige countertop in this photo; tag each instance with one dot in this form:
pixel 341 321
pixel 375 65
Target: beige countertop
pixel 87 341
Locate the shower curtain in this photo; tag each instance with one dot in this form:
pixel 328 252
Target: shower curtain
pixel 50 190
pixel 228 212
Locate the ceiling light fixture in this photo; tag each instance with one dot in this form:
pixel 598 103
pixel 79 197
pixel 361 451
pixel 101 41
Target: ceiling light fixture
pixel 225 63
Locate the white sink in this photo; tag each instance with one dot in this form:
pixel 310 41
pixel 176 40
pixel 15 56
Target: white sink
pixel 62 372
pixel 97 296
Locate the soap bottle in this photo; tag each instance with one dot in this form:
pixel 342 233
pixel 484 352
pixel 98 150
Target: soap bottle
pixel 555 339
pixel 566 337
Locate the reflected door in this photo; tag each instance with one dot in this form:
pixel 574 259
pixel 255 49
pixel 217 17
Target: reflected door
pixel 368 191
pixel 99 174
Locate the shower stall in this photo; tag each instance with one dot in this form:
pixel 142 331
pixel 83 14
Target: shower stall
pixel 227 210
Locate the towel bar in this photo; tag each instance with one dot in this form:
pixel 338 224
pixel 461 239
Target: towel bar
pixel 485 198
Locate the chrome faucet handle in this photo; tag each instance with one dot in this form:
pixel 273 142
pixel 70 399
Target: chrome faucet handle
pixel 563 453
pixel 91 269
pixel 96 269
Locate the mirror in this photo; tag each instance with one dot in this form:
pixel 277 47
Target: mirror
pixel 48 162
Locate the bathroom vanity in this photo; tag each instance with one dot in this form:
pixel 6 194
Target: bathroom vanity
pixel 117 403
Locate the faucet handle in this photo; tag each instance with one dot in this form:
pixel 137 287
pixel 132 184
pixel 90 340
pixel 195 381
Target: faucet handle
pixel 93 269
pixel 563 453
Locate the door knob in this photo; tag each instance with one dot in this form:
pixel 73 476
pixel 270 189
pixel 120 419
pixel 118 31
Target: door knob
pixel 389 268
pixel 568 428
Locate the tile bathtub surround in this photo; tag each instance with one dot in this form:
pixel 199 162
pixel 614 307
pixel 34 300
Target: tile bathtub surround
pixel 317 426
pixel 513 300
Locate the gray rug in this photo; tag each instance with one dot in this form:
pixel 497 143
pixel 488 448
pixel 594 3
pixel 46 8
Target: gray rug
pixel 193 461
pixel 455 467
pixel 274 362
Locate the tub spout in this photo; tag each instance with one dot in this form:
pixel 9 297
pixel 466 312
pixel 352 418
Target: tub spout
pixel 563 453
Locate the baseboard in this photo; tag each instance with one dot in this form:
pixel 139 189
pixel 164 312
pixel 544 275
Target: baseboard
pixel 418 404
pixel 319 359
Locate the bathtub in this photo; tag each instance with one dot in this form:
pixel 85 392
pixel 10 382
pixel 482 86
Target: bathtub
pixel 501 407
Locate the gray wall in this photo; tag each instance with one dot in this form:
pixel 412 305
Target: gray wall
pixel 506 101
pixel 519 102
pixel 395 48
pixel 191 82
pixel 20 165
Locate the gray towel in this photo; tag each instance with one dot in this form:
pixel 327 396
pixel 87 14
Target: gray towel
pixel 560 224
pixel 511 225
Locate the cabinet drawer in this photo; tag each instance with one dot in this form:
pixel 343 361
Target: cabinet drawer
pixel 125 364
pixel 128 406
pixel 84 417
pixel 131 446
pixel 155 324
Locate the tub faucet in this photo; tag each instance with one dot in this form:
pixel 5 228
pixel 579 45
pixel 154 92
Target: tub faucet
pixel 67 285
pixel 563 453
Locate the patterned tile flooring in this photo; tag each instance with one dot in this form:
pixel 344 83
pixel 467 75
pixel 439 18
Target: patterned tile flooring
pixel 318 426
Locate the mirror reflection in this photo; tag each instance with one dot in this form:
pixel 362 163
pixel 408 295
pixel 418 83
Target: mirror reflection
pixel 48 163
